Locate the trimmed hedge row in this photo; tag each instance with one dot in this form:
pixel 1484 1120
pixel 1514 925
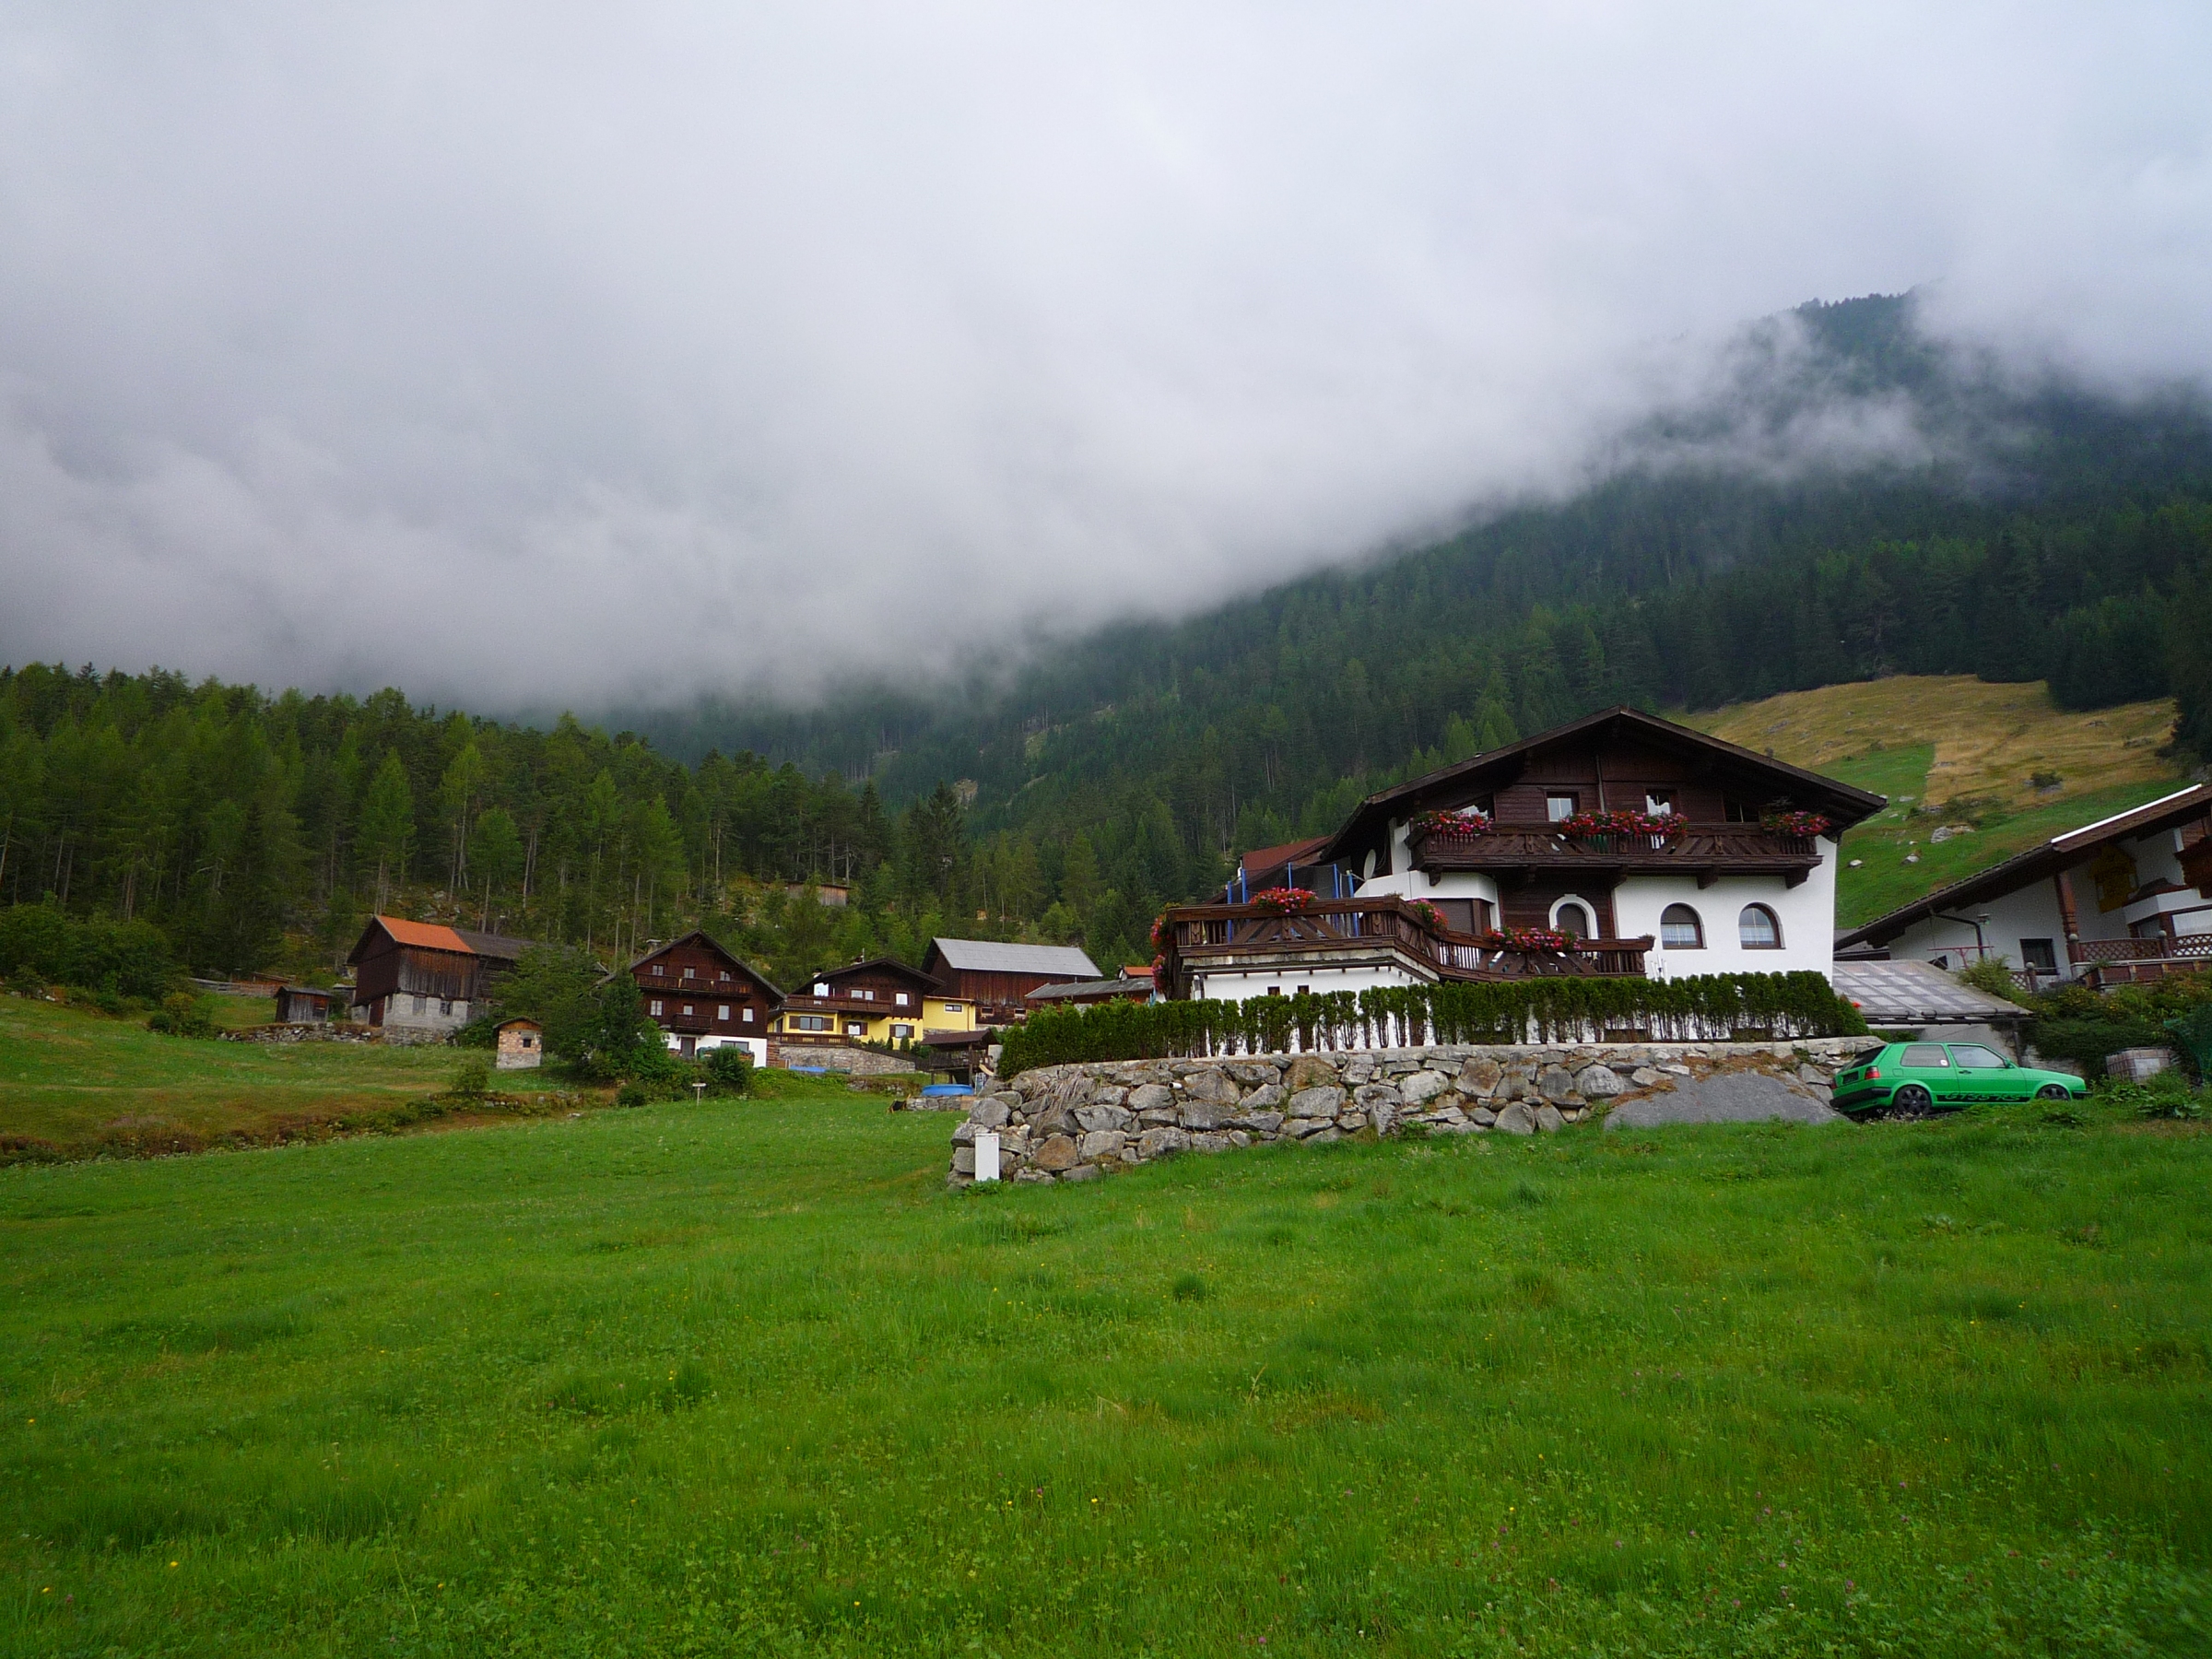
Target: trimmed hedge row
pixel 1708 1008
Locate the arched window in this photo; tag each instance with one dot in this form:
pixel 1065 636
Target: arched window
pixel 1679 928
pixel 1572 917
pixel 1757 930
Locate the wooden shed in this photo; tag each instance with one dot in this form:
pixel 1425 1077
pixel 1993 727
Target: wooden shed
pixel 304 1004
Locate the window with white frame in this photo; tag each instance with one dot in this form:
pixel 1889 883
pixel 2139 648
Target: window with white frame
pixel 1758 929
pixel 653 1007
pixel 1679 928
pixel 1572 917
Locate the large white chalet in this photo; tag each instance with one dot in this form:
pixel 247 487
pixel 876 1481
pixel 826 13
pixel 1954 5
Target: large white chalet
pixel 1639 846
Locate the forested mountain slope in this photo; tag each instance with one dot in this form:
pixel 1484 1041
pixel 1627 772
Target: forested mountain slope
pixel 2035 533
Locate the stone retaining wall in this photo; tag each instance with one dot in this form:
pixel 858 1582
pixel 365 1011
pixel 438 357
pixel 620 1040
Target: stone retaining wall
pixel 857 1062
pixel 1075 1123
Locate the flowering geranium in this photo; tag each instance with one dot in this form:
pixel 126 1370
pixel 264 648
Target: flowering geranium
pixel 1427 913
pixel 1159 967
pixel 1441 824
pixel 1160 931
pixel 1526 939
pixel 1622 820
pixel 1806 824
pixel 1283 900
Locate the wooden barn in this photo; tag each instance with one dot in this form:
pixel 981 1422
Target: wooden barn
pixel 994 979
pixel 425 976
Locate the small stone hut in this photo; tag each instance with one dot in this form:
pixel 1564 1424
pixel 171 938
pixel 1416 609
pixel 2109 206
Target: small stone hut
pixel 521 1044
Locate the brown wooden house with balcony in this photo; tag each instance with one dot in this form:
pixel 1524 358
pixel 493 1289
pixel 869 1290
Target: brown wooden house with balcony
pixel 705 998
pixel 1618 844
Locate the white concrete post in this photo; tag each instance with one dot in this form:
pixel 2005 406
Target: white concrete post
pixel 986 1154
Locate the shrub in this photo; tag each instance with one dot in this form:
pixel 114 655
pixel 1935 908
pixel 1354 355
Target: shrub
pixel 1706 1008
pixel 728 1070
pixel 473 1081
pixel 631 1094
pixel 182 1015
pixel 1992 977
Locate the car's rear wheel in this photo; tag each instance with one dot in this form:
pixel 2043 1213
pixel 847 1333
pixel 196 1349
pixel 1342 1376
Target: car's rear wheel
pixel 2054 1091
pixel 1911 1101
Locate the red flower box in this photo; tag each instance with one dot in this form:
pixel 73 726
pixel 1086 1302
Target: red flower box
pixel 1805 824
pixel 1439 825
pixel 1284 901
pixel 1623 821
pixel 1527 939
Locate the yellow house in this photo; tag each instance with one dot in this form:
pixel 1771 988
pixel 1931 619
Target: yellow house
pixel 880 1000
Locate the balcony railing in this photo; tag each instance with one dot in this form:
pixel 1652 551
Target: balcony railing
pixel 1328 929
pixel 1704 851
pixel 2127 961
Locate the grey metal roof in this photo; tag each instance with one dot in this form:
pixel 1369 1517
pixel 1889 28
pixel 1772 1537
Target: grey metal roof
pixel 988 956
pixel 1081 988
pixel 1918 994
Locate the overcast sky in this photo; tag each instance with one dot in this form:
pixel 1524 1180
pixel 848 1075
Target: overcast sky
pixel 527 354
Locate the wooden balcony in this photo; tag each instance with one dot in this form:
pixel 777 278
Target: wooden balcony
pixel 1351 933
pixel 2107 962
pixel 1704 851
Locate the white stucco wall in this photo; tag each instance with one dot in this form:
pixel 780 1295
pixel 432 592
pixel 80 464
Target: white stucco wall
pixel 1413 884
pixel 755 1046
pixel 1806 913
pixel 1235 985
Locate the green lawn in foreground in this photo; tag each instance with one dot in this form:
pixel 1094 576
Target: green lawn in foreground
pixel 743 1378
pixel 78 1081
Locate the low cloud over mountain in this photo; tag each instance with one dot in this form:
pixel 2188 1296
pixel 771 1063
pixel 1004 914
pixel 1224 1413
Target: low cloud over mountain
pixel 529 354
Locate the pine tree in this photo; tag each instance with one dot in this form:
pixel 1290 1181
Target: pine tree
pixel 385 838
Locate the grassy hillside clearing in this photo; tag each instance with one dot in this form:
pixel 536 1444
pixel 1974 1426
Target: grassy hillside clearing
pixel 75 1082
pixel 743 1378
pixel 1952 751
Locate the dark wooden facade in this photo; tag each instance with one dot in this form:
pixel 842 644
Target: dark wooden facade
pixel 1620 760
pixel 695 989
pixel 885 985
pixel 997 990
pixel 447 969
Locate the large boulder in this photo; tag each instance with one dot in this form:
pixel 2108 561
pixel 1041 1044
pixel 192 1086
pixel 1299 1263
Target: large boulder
pixel 1211 1084
pixel 1101 1143
pixel 990 1114
pixel 1722 1098
pixel 1599 1082
pixel 1159 1142
pixel 1323 1102
pixel 1309 1071
pixel 1480 1078
pixel 1267 1098
pixel 1152 1097
pixel 1094 1118
pixel 1554 1083
pixel 1548 1119
pixel 1057 1153
pixel 1417 1087
pixel 1517 1119
pixel 1205 1114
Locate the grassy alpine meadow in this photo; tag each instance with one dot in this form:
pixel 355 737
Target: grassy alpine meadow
pixel 744 1377
pixel 75 1082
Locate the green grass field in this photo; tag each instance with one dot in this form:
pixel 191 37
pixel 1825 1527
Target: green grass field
pixel 75 1082
pixel 743 1378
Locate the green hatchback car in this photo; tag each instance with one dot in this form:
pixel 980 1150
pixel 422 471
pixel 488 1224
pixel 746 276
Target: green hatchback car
pixel 1911 1080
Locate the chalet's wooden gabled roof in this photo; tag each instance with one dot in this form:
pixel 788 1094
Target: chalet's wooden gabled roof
pixel 2038 863
pixel 1453 785
pixel 924 983
pixel 994 956
pixel 699 936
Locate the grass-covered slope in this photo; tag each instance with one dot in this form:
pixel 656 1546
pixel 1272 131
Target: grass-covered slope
pixel 743 1378
pixel 73 1083
pixel 2000 763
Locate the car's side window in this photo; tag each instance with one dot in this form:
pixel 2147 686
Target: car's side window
pixel 1973 1056
pixel 1924 1054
